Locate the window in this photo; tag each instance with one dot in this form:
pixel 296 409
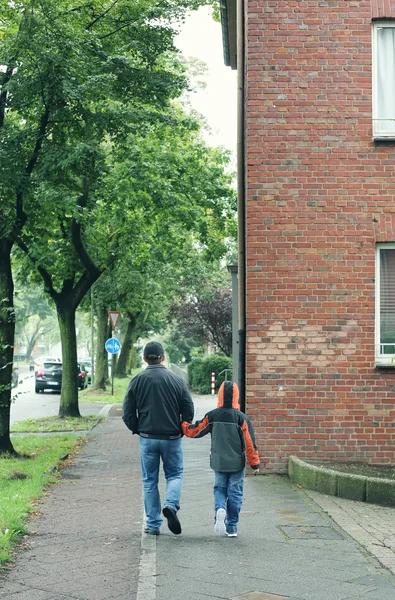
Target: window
pixel 385 304
pixel 384 80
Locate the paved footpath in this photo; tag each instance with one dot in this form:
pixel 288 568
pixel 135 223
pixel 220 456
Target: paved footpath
pixel 88 540
pixel 89 543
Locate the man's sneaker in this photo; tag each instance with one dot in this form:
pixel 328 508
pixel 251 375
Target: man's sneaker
pixel 172 520
pixel 231 531
pixel 219 525
pixel 151 531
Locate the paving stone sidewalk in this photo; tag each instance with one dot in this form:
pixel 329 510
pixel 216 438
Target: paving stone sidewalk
pixel 89 543
pixel 88 540
pixel 371 525
pixel 287 548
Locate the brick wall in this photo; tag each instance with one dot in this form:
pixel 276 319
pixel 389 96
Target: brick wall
pixel 319 195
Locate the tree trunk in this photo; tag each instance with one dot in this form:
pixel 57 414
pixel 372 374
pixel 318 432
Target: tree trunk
pixel 126 346
pixel 101 371
pixel 7 332
pixel 69 395
pixel 131 361
pixel 31 342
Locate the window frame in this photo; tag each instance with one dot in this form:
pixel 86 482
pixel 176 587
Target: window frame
pixel 376 134
pixel 381 359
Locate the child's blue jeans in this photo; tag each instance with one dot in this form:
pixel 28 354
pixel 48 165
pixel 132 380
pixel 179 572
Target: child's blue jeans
pixel 228 494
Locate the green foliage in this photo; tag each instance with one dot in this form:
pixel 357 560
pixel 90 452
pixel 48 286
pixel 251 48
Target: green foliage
pixel 193 368
pixel 199 372
pixel 135 360
pixel 55 424
pixel 216 11
pixel 98 164
pixel 35 315
pixel 105 396
pixel 204 312
pixel 178 348
pixel 23 481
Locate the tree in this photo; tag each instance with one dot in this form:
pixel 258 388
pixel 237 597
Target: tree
pixel 204 309
pixel 207 315
pixel 178 347
pixel 34 317
pixel 67 70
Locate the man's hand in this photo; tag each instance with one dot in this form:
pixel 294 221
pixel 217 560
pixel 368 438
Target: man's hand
pixel 256 472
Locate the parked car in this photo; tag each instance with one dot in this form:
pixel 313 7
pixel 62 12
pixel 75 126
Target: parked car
pixel 83 377
pixel 40 360
pixel 87 362
pixel 49 376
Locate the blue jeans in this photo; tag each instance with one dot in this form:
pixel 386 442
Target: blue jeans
pixel 228 494
pixel 170 451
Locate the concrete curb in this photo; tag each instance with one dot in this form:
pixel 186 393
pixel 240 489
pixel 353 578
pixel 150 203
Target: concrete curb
pixel 106 410
pixel 343 485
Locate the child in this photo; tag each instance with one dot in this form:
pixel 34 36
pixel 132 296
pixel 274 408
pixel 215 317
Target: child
pixel 232 438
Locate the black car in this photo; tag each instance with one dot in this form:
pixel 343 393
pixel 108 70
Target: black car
pixel 49 377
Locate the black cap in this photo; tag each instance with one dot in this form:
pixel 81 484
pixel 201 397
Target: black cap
pixel 153 350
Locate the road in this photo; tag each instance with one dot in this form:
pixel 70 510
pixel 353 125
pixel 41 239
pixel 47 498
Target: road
pixel 29 405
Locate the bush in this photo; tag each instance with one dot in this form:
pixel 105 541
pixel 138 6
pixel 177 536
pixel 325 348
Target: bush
pixel 199 372
pixel 193 367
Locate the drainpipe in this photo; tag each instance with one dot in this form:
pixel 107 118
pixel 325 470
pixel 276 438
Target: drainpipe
pixel 241 202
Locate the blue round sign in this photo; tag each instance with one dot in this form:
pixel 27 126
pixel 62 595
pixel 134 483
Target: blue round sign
pixel 113 345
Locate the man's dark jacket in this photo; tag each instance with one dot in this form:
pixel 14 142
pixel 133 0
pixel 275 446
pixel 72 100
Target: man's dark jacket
pixel 156 403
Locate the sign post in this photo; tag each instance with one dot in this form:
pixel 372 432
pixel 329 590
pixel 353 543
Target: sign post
pixel 112 346
pixel 114 316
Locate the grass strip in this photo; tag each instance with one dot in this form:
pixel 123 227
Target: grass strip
pixel 54 424
pixel 23 481
pixel 105 396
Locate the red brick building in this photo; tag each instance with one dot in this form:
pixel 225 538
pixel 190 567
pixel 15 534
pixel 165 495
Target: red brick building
pixel 317 197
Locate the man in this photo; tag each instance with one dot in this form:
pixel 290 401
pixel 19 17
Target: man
pixel 156 403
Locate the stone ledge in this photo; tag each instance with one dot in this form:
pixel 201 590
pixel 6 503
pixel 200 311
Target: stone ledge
pixel 344 485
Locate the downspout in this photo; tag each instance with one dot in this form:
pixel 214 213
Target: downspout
pixel 241 203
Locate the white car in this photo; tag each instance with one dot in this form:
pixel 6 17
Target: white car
pixel 40 360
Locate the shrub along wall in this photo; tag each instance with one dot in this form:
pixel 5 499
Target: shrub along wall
pixel 199 372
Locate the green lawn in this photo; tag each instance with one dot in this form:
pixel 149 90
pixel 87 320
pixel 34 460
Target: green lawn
pixel 53 424
pixel 120 387
pixel 23 481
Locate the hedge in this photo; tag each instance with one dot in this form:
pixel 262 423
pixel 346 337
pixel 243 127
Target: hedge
pixel 199 372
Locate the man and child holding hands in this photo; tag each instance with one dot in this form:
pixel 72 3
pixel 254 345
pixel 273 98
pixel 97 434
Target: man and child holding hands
pixel 159 408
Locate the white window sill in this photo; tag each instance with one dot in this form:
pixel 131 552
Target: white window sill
pixel 385 363
pixel 384 138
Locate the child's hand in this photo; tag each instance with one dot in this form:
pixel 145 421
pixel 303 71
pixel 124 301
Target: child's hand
pixel 256 472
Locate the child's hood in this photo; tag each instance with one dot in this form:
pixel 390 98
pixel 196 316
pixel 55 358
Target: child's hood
pixel 228 395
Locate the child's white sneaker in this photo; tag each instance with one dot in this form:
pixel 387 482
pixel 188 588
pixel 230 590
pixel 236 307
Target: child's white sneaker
pixel 219 526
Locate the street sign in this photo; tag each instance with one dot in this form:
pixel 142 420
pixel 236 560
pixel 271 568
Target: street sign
pixel 113 345
pixel 114 316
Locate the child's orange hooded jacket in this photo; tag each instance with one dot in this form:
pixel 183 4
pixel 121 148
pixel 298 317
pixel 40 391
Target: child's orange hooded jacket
pixel 232 435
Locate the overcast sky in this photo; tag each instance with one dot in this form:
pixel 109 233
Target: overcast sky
pixel 201 37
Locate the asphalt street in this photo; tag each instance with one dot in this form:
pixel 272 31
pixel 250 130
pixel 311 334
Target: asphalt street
pixel 29 405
